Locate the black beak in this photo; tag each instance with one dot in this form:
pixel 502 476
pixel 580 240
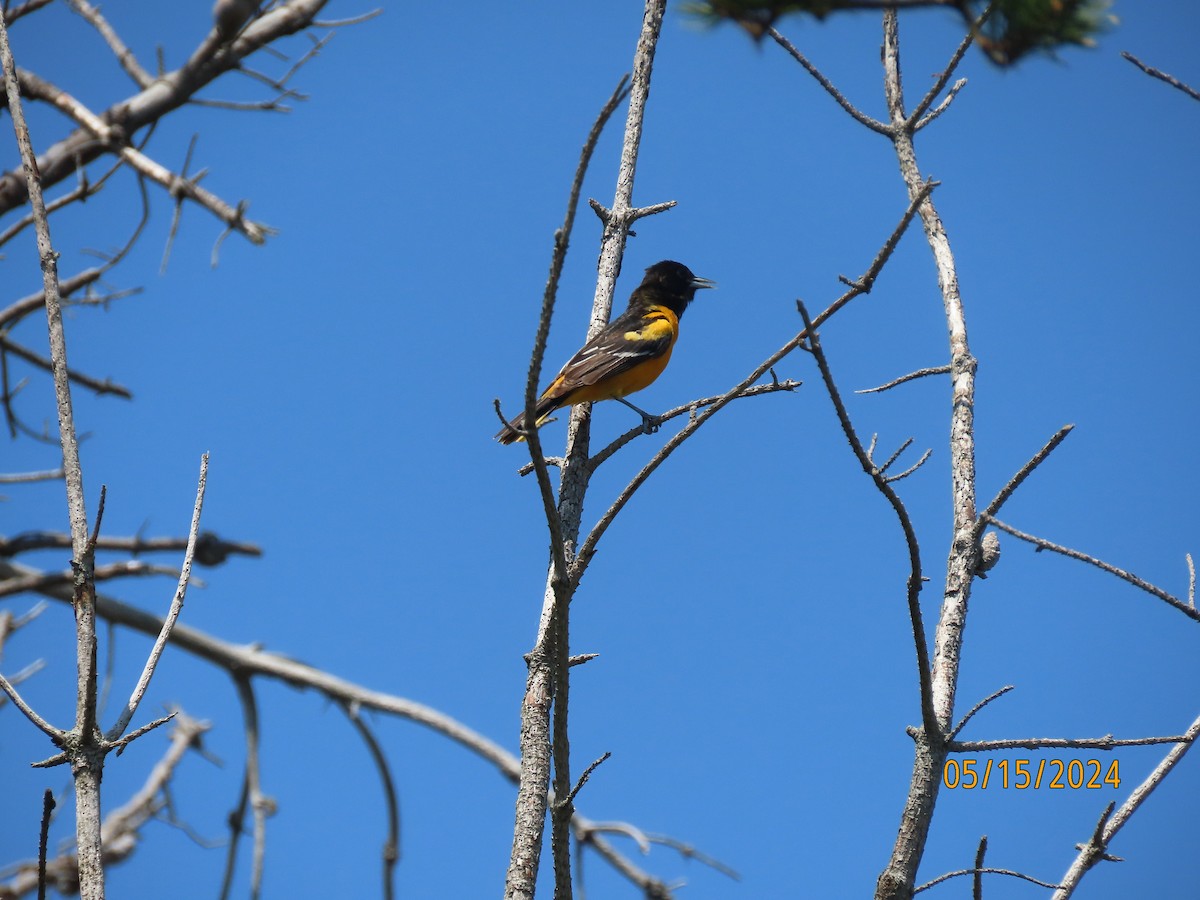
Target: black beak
pixel 699 283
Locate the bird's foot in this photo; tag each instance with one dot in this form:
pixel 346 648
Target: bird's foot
pixel 651 424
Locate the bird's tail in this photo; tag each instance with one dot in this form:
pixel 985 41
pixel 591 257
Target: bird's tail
pixel 514 430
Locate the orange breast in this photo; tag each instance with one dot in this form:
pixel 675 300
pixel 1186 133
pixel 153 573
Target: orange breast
pixel 640 376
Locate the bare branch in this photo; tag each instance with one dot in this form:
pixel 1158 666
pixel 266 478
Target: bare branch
pixel 1161 76
pixel 26 305
pixel 43 581
pixel 913 592
pixel 353 20
pixel 23 675
pixel 120 832
pixel 1108 742
pixel 115 140
pixel 977 881
pixel 82 191
pixel 211 549
pixel 100 388
pixel 891 479
pixel 1024 472
pixel 124 55
pixel 260 805
pixel 55 734
pixel 11 15
pixel 391 846
pixel 920 373
pixel 691 409
pixel 252 661
pixel 943 106
pixel 177 196
pixel 962 723
pixel 168 92
pixel 687 851
pixel 1043 544
pixel 860 117
pixel 121 743
pixel 1097 848
pixel 983 871
pixel 588 833
pixel 164 635
pixel 914 119
pixel 48 805
pixel 891 459
pixel 583 779
pixel 28 477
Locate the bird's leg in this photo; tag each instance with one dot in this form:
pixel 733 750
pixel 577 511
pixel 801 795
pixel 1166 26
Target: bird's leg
pixel 650 424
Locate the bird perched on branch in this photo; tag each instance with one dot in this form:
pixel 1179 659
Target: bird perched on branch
pixel 627 355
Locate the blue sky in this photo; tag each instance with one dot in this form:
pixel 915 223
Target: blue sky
pixel 755 673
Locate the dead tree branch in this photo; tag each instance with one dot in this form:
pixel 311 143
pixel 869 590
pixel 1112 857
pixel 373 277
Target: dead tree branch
pixel 1161 75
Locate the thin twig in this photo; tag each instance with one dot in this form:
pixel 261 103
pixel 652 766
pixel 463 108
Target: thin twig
pixel 1024 472
pixel 177 196
pixel 82 191
pixel 48 805
pixel 100 388
pixel 391 846
pixel 892 479
pixel 914 585
pixel 29 477
pixel 41 581
pixel 895 456
pixel 121 743
pixel 1042 544
pixel 1161 75
pixel 160 643
pixel 980 853
pixel 55 734
pixel 1108 742
pixel 211 549
pixel 987 871
pixel 11 15
pixel 259 803
pixel 860 117
pixel 587 773
pixel 687 851
pixel 920 373
pixel 691 408
pixel 943 106
pixel 352 20
pixel 962 723
pixel 1097 849
pixel 123 54
pixel 914 117
pixel 35 302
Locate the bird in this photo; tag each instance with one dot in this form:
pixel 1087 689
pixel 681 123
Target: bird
pixel 627 355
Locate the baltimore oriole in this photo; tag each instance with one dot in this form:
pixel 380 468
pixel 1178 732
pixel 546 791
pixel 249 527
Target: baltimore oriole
pixel 628 354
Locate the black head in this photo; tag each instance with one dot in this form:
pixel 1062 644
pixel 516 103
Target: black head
pixel 672 284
